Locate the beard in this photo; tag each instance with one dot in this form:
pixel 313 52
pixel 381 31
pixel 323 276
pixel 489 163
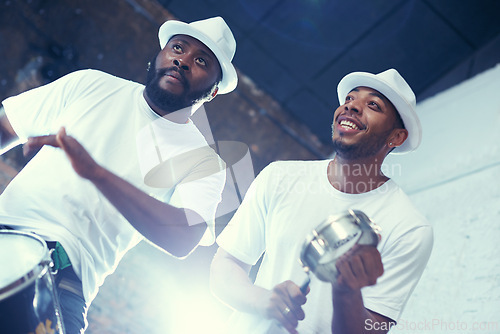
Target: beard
pixel 367 147
pixel 168 101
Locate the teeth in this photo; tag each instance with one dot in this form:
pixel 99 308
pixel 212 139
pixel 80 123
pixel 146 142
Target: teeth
pixel 349 124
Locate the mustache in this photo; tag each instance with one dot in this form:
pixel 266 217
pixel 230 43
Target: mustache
pixel 163 71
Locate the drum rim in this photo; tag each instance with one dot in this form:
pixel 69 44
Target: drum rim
pixel 37 271
pixel 352 213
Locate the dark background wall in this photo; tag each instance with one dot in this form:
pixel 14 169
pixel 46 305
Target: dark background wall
pixel 43 40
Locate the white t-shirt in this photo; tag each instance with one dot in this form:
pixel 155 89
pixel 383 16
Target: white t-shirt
pixel 111 119
pixel 289 199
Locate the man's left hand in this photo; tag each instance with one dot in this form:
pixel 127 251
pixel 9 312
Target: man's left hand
pixel 359 267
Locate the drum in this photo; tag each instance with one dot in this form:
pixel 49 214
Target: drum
pixel 28 302
pixel 333 238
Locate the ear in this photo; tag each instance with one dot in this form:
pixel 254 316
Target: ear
pixel 397 138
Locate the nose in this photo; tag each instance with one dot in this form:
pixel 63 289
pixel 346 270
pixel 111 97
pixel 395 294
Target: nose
pixel 181 64
pixel 353 106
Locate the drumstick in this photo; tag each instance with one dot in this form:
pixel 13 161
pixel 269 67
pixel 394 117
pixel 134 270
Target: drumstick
pixel 305 284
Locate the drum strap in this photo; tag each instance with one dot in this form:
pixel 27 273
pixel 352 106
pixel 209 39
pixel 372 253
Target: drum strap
pixel 60 257
pixel 65 279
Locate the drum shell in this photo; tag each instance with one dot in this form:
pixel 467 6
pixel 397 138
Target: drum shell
pixel 29 305
pixel 333 238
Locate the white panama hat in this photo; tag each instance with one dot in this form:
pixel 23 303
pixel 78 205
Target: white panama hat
pixel 392 85
pixel 216 35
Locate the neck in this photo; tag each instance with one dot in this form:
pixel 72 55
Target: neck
pixel 177 116
pixel 356 176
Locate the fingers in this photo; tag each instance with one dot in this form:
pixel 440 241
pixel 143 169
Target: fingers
pixel 359 267
pixel 286 319
pixel 34 144
pixel 64 141
pixel 61 135
pixel 67 143
pixel 70 145
pixel 372 263
pixel 83 164
pixel 287 300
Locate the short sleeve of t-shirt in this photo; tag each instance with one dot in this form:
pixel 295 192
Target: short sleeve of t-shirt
pixel 244 237
pixel 38 111
pixel 201 195
pixel 404 262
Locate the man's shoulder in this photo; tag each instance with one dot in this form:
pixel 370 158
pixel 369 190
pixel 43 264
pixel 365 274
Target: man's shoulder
pixel 403 209
pixel 95 76
pixel 88 73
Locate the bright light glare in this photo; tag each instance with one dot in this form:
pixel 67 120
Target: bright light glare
pixel 197 312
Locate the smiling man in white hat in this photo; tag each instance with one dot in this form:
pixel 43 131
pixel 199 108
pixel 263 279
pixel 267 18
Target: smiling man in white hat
pixel 289 199
pixel 88 195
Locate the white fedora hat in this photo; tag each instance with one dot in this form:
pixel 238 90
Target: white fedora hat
pixel 392 85
pixel 216 35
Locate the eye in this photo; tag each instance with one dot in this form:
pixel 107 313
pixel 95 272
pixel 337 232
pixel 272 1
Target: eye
pixel 374 104
pixel 201 61
pixel 348 98
pixel 177 47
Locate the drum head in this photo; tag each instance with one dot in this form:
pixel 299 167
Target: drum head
pixel 333 238
pixel 21 254
pixel 339 248
pixel 338 235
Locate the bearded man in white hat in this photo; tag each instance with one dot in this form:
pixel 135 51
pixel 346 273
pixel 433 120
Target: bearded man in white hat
pixel 86 192
pixel 289 199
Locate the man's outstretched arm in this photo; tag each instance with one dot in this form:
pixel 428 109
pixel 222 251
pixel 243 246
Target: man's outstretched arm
pixel 173 229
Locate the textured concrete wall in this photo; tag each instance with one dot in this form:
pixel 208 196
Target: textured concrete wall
pixel 453 180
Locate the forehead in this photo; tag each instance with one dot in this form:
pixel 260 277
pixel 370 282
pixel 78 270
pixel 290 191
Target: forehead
pixel 192 42
pixel 371 92
pixel 375 93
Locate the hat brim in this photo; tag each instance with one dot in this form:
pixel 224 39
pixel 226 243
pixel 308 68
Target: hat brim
pixel 404 107
pixel 229 75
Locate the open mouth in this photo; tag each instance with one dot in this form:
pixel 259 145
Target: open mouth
pixel 350 124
